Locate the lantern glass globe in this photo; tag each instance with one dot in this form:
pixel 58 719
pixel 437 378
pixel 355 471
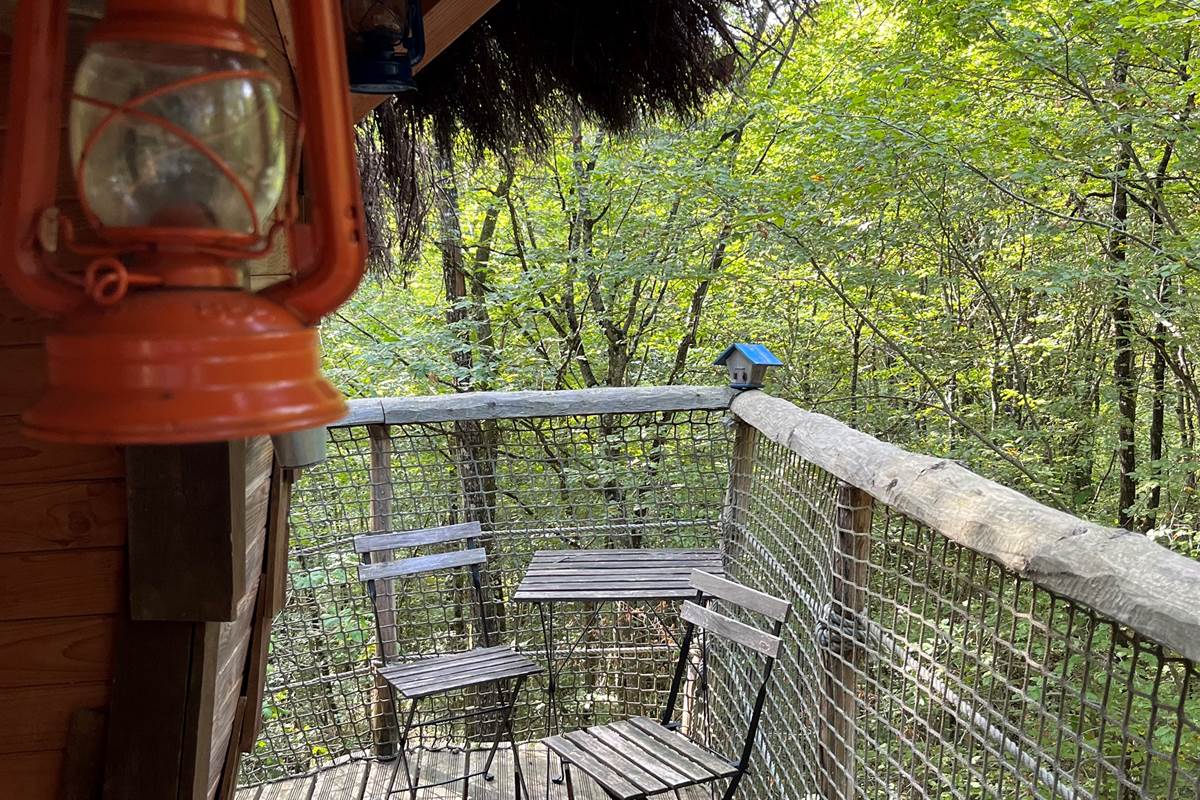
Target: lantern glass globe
pixel 177 136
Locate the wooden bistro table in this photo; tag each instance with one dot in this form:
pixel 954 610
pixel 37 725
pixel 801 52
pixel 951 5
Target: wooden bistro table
pixel 597 577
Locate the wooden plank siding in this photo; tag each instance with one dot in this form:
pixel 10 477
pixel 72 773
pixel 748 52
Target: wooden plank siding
pixel 235 636
pixel 62 540
pixel 63 582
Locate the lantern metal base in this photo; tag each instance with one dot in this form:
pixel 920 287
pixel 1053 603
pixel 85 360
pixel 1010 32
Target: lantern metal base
pixel 385 74
pixel 179 366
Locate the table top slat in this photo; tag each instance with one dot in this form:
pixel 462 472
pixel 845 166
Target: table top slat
pixel 605 575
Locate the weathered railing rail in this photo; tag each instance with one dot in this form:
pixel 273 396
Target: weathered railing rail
pixel 478 406
pixel 1124 575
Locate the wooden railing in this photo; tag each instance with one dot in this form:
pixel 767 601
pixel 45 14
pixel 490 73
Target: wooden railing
pixel 518 405
pixel 1123 575
pixel 852 487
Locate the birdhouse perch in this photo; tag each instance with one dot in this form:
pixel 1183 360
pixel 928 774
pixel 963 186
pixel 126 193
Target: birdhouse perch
pixel 747 364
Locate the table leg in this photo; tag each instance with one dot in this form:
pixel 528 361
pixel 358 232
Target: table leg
pixel 546 619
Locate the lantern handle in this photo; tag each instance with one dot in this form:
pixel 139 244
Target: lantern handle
pixel 331 174
pixel 31 154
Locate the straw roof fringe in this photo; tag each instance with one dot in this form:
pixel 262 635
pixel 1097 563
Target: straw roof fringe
pixel 525 69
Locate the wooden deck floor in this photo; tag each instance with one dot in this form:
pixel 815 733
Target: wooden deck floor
pixel 374 780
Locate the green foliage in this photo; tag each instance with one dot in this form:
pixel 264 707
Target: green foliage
pixel 911 203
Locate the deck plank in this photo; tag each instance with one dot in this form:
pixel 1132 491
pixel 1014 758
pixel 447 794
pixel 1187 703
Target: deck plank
pixel 438 766
pixel 382 778
pixel 341 783
pixel 291 789
pixel 501 787
pixel 374 780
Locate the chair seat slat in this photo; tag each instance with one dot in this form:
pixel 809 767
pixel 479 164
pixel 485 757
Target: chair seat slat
pixel 609 756
pixel 458 670
pixel 463 671
pixel 661 767
pixel 598 770
pixel 448 661
pixel 719 767
pixel 660 751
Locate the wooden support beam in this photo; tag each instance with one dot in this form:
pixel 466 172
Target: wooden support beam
pixel 741 476
pixel 187 537
pixel 839 700
pixel 277 540
pixel 200 712
pixel 83 764
pixel 227 788
pixel 384 731
pixel 149 752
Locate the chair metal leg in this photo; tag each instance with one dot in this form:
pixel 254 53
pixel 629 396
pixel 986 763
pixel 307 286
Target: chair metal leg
pixel 733 784
pixel 506 721
pixel 566 768
pixel 487 766
pixel 402 747
pixel 518 772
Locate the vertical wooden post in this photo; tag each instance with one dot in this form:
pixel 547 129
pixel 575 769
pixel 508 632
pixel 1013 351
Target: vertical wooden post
pixel 187 536
pixel 851 549
pixel 383 717
pixel 741 471
pixel 734 514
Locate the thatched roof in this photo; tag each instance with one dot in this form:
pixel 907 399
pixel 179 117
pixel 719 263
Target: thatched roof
pixel 508 79
pixel 528 65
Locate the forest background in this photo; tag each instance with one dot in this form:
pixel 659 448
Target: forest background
pixel 968 228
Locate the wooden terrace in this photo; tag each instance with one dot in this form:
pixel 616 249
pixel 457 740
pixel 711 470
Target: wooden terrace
pixel 945 628
pixel 374 780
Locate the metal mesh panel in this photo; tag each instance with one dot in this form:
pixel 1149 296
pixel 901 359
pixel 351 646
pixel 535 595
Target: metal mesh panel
pixel 958 679
pixel 637 480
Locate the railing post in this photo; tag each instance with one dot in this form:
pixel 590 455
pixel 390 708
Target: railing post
pixel 741 469
pixel 841 647
pixel 384 730
pixel 734 513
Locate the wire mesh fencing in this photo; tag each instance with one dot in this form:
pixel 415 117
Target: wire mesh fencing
pixel 913 667
pixel 942 674
pixel 597 481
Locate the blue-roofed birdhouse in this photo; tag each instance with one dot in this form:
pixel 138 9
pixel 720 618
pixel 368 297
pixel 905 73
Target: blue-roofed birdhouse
pixel 747 364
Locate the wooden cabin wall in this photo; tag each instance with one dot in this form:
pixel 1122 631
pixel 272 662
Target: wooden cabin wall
pixel 62 557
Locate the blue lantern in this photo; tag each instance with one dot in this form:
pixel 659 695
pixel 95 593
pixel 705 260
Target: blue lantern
pixel 385 39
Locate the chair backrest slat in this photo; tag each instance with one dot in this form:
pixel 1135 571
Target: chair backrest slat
pixel 421 564
pixel 729 628
pixel 742 596
pixel 375 542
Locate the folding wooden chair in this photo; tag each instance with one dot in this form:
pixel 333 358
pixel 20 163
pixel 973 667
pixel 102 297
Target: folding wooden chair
pixel 639 757
pixel 498 666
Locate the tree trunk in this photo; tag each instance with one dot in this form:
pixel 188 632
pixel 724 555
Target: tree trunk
pixel 473 443
pixel 1122 314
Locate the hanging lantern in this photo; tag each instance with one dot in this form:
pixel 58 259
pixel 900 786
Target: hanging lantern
pixel 179 156
pixel 385 39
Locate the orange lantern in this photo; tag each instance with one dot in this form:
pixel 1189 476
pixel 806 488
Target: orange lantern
pixel 177 145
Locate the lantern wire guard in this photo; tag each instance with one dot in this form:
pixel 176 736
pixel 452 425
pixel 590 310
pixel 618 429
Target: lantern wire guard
pixel 106 278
